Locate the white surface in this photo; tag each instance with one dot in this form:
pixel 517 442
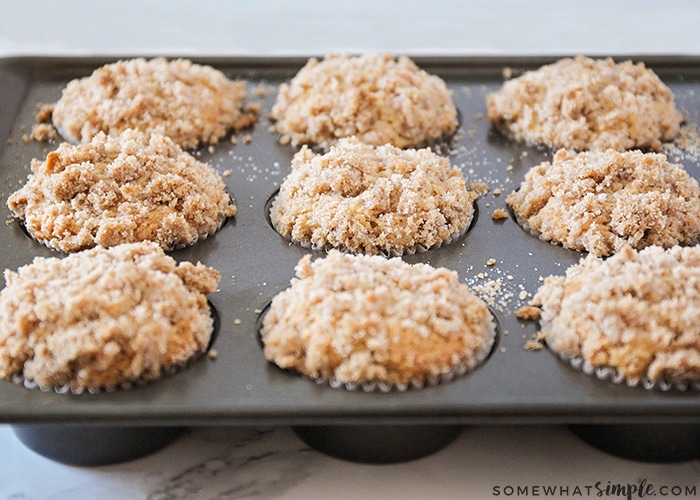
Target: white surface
pixel 314 27
pixel 234 463
pixel 273 463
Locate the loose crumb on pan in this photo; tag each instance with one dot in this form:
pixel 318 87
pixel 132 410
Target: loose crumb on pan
pixel 600 201
pixel 376 97
pixel 686 145
pixel 192 104
pixel 583 104
pixel 45 113
pixel 43 132
pixel 114 190
pixel 366 199
pixel 104 317
pixel 528 312
pixel 533 345
pixel 634 311
pixel 358 318
pixel 480 188
pixel 499 214
pixel 536 343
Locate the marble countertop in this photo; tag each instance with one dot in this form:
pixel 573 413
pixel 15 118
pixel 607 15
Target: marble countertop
pixel 231 462
pixel 243 462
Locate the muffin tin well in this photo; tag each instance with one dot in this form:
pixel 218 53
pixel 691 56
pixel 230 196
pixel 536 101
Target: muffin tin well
pixel 500 261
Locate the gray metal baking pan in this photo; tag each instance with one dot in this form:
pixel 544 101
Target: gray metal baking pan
pixel 240 387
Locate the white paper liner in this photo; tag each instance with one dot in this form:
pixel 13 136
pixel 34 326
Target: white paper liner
pixel 610 373
pixel 416 384
pixel 65 134
pixel 416 249
pixel 19 379
pixel 219 224
pixel 525 225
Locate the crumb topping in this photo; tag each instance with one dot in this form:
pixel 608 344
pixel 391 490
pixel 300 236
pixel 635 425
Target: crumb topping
pixel 114 190
pixel 103 317
pixel 376 97
pixel 528 312
pixel 366 199
pixel 480 188
pixel 635 311
pixel 43 132
pixel 600 201
pixel 499 214
pixel 190 103
pixel 367 318
pixel 585 104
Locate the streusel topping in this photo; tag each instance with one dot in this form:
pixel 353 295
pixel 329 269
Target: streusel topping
pixel 190 103
pixel 103 317
pixel 359 318
pixel 112 190
pixel 586 104
pixel 376 97
pixel 600 201
pixel 634 311
pixel 366 199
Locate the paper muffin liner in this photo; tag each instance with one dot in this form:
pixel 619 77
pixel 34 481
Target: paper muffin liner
pixel 412 250
pixel 21 380
pixel 221 221
pixel 525 225
pixel 67 136
pixel 69 388
pixel 415 249
pixel 219 224
pixel 376 386
pixel 612 374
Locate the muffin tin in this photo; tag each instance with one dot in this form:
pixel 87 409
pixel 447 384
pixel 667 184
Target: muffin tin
pixel 240 387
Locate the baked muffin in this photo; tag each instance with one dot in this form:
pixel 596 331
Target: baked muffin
pixel 369 199
pixel 600 201
pixel 103 318
pixel 586 104
pixel 631 317
pixel 121 189
pixel 359 321
pixel 190 103
pixel 376 97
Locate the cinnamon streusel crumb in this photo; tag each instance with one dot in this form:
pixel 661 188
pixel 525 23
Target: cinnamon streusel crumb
pixel 103 317
pixel 528 312
pixel 634 311
pixel 599 201
pixel 358 319
pixel 376 97
pixel 586 104
pixel 113 190
pixel 366 199
pixel 190 103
